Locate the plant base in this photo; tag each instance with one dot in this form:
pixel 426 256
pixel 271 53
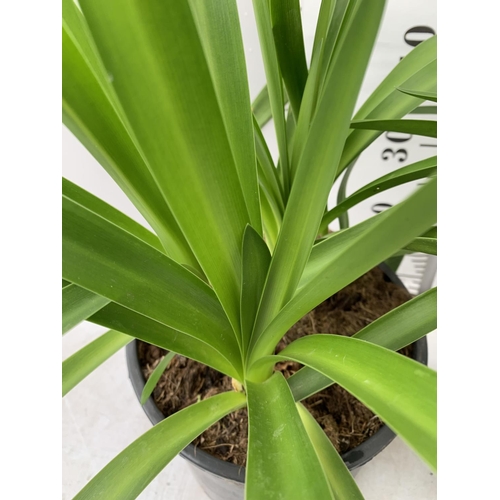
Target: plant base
pixel 219 454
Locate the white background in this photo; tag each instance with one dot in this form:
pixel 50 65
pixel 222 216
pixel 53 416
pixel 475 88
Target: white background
pixel 101 416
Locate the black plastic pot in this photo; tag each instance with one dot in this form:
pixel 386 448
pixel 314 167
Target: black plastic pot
pixel 225 481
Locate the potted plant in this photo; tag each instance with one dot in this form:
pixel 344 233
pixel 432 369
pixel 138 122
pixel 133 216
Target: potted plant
pixel 157 92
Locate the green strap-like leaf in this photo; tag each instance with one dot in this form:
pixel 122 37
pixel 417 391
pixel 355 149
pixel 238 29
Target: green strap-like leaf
pixel 256 259
pixel 415 171
pixel 345 256
pixel 424 110
pixel 268 173
pixel 136 325
pixel 404 324
pixel 290 129
pixel 75 26
pixel 86 360
pixel 420 94
pixel 164 84
pixel 307 382
pixel 91 112
pixel 78 304
pixel 289 42
pixel 324 17
pixel 271 216
pixel 326 250
pixel 415 61
pixel 155 376
pixel 261 107
pixel 339 16
pixel 101 208
pixel 340 21
pixel 430 233
pixel 315 172
pixel 341 196
pixel 394 330
pixel 105 259
pixel 424 245
pixel 426 128
pixel 274 83
pixel 417 70
pixel 219 29
pixel 401 391
pixel 281 460
pixel 307 109
pixel 136 466
pixel 341 481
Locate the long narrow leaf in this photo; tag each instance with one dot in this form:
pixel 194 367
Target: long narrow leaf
pixel 341 259
pixel 87 359
pixel 307 382
pixel 401 391
pixel 256 259
pixel 420 94
pixel 269 174
pixel 163 81
pixel 127 271
pixel 341 18
pixel 274 84
pixel 341 481
pixel 281 460
pixel 315 172
pixel 341 196
pixel 261 107
pixel 324 17
pixel 136 325
pixel 76 27
pixel 136 466
pixel 219 29
pixel 426 128
pixel 423 245
pixel 415 171
pixel 415 61
pixel 101 208
pixel 271 216
pixel 155 376
pixel 290 129
pixel 289 42
pixel 424 110
pixel 90 112
pixel 418 70
pixel 405 324
pixel 78 304
pixel 311 186
pixel 394 330
pixel 430 233
pixel 307 109
pixel 326 250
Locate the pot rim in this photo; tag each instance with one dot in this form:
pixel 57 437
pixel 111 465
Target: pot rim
pixel 353 459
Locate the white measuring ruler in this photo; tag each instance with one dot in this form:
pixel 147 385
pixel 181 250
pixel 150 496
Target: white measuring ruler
pixel 406 23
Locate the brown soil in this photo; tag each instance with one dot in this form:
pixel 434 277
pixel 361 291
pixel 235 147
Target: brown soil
pixel 345 420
